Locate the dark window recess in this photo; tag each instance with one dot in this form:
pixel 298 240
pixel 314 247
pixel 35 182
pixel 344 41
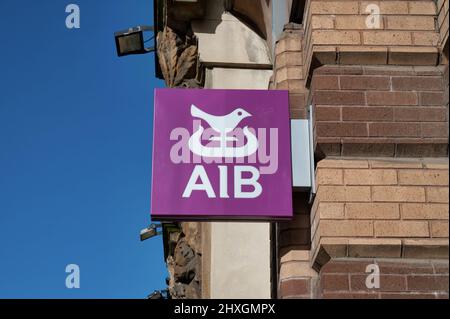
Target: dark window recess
pixel 297 10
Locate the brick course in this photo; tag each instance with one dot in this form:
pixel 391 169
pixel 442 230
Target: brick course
pixel 399 279
pixel 296 278
pixel 392 107
pixel 407 33
pixel 377 199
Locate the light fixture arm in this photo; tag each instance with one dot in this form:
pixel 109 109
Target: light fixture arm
pixel 151 231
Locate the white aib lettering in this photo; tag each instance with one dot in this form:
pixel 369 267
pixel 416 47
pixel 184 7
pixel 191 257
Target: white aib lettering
pixel 199 173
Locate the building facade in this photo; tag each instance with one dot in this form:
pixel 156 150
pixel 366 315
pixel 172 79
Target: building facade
pixel 376 75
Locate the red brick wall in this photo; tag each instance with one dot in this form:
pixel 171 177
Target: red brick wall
pixel 376 92
pixel 297 288
pixel 398 279
pixel 296 278
pixel 297 232
pixel 381 111
pixel 288 70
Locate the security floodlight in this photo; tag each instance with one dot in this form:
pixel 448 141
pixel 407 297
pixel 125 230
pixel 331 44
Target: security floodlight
pixel 132 41
pixel 150 232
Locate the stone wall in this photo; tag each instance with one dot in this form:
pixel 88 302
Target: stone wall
pixel 184 261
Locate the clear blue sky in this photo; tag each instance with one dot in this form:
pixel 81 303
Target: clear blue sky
pixel 75 157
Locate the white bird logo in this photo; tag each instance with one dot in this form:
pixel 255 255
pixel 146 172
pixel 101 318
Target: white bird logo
pixel 222 124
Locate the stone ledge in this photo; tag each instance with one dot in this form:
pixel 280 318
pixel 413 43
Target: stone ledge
pixel 295 255
pixel 370 55
pixel 383 163
pixel 328 248
pixel 295 269
pixel 436 148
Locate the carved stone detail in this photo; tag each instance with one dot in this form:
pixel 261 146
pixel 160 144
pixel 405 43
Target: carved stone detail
pixel 179 60
pixel 184 265
pixel 177 49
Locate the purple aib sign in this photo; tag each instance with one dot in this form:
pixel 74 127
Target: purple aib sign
pixel 221 154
